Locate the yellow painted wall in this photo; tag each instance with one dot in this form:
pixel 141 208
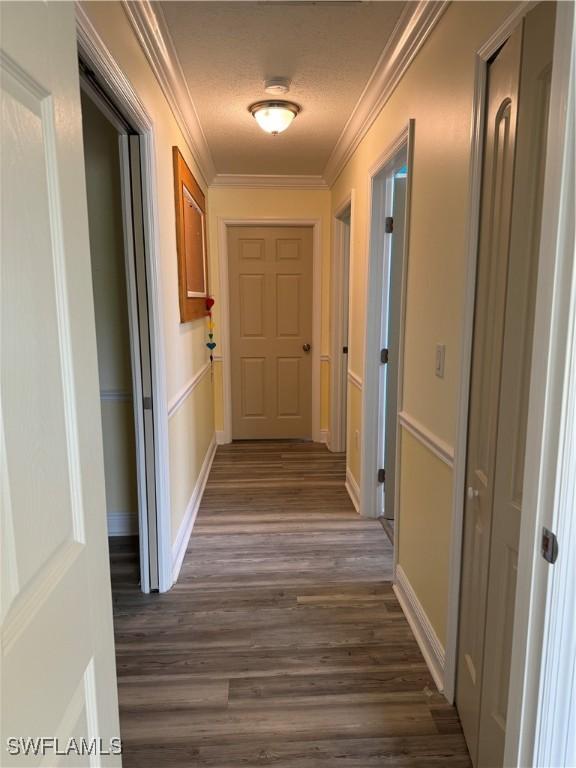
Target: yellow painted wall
pixel 353 432
pixel 425 489
pixel 437 91
pixel 247 203
pixel 193 418
pixel 185 351
pixel 324 394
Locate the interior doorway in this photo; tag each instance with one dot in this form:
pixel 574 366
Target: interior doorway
pixel 272 349
pixel 517 105
pixel 340 279
pixel 384 330
pixel 113 167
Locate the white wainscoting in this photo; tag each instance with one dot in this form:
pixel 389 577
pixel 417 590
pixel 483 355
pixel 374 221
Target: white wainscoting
pixel 184 532
pixel 423 630
pixel 122 523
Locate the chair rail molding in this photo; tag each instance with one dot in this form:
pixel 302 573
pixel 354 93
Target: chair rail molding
pixel 353 489
pixel 354 378
pixel 443 450
pixel 182 395
pixel 411 32
pixel 155 40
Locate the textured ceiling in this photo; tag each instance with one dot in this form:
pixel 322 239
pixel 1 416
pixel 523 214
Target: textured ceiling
pixel 228 49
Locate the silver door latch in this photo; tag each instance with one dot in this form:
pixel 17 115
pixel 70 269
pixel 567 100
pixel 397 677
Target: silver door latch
pixel 549 546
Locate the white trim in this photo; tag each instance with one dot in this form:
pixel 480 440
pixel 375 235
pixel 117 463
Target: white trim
pixel 355 379
pixel 324 436
pixel 412 30
pixel 484 53
pixel 269 181
pixel 154 37
pixel 444 451
pixel 183 394
pixel 122 523
pixel 220 437
pixel 420 625
pixel 369 487
pixel 353 489
pixel 185 530
pixel 340 283
pixel 116 395
pixel 223 286
pixel 542 669
pixel 95 53
pixel 325 358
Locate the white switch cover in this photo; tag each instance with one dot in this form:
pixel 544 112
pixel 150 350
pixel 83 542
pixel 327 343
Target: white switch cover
pixel 439 361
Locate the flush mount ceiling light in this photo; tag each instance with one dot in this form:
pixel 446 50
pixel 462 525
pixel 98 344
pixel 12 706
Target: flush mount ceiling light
pixel 274 116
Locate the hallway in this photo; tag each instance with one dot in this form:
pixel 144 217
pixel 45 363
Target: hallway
pixel 282 644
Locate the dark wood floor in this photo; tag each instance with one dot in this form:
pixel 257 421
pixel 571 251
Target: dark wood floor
pixel 282 643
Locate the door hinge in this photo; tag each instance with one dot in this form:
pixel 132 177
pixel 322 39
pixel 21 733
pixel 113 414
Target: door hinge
pixel 384 356
pixel 381 475
pixel 549 546
pixel 388 225
pixel 344 350
pixel 147 403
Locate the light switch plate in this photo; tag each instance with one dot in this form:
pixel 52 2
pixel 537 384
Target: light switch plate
pixel 439 360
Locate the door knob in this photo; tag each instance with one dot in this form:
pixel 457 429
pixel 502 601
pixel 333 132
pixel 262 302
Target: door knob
pixel 473 493
pixel 306 347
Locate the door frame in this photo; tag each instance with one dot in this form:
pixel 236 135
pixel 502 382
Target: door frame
pixel 94 52
pixel 339 363
pixel 225 436
pixel 404 141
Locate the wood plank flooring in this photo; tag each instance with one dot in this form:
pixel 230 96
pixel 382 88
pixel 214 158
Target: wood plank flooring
pixel 283 643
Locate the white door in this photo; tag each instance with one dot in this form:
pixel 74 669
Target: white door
pixel 58 669
pixel 271 331
pixel 494 245
pixel 535 81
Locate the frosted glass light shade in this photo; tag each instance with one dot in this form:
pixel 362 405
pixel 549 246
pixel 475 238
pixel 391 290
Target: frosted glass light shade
pixel 274 116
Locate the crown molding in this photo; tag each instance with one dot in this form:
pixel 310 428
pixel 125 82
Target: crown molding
pixel 412 30
pixel 155 40
pixel 269 181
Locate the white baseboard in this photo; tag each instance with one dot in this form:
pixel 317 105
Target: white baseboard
pixel 122 523
pixel 325 436
pixel 221 437
pixel 185 531
pixel 353 489
pixel 420 625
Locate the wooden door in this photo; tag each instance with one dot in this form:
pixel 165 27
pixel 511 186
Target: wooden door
pixel 58 668
pixel 494 244
pixel 270 274
pixel 535 80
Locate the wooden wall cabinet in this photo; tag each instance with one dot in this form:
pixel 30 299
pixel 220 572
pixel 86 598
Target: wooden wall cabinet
pixel 190 241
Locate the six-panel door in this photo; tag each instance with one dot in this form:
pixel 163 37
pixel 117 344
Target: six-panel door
pixel 270 277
